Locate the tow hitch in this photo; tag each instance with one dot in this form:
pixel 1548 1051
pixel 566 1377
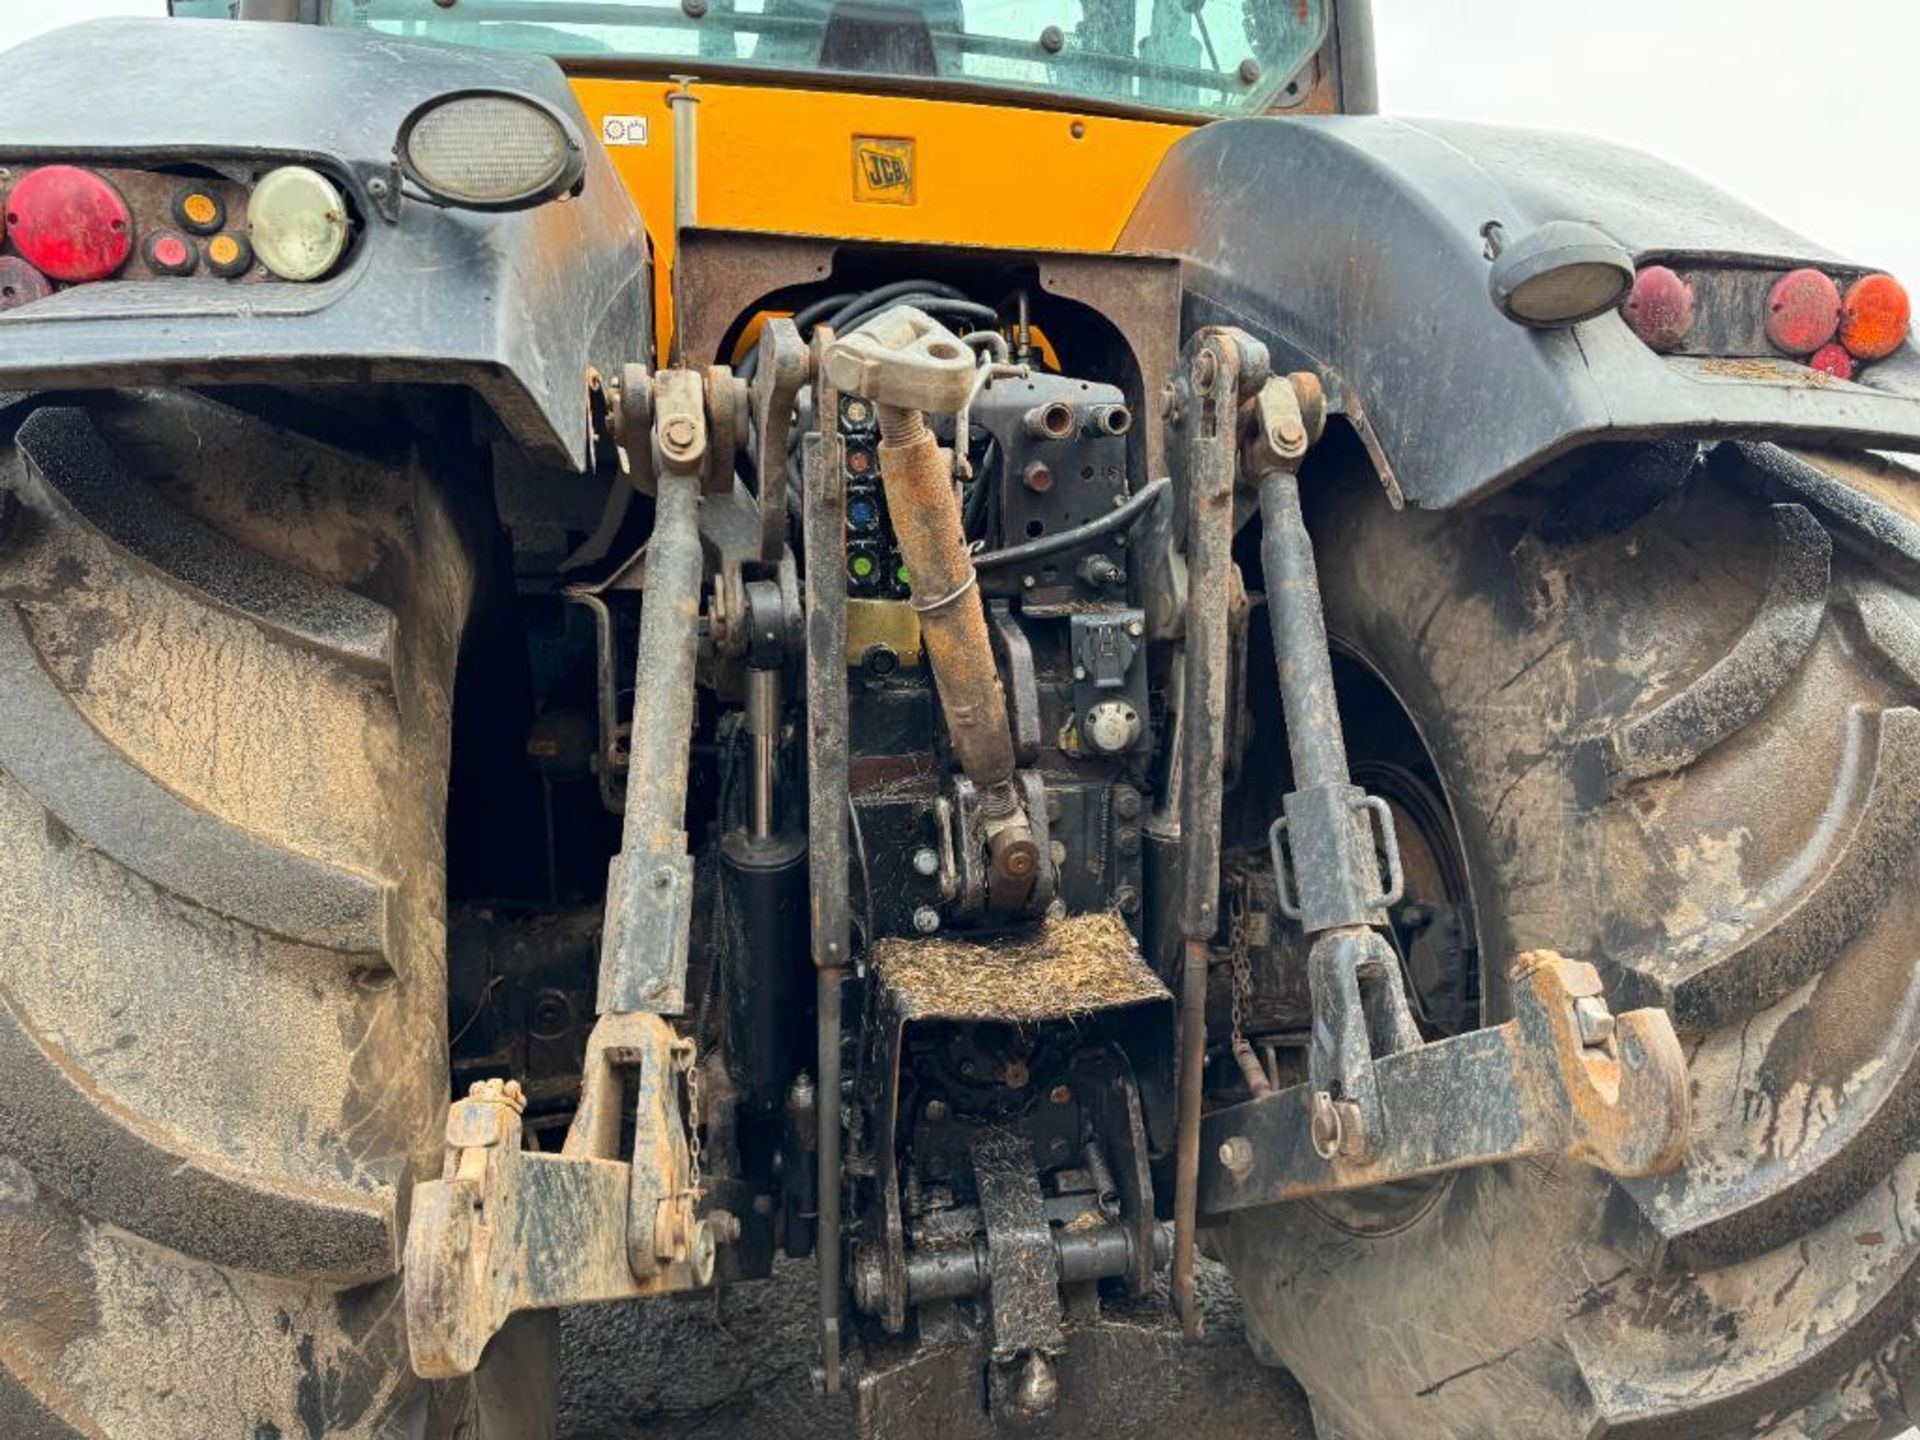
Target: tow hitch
pixel 1004 1132
pixel 1563 1076
pixel 504 1230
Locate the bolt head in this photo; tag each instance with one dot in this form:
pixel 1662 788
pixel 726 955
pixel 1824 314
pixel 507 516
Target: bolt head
pixel 937 1110
pixel 926 919
pixel 678 432
pixel 926 861
pixel 1020 861
pixel 1325 1126
pixel 1060 1095
pixel 1236 1155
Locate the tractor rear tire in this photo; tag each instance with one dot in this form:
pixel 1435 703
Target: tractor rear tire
pixel 1675 727
pixel 227 652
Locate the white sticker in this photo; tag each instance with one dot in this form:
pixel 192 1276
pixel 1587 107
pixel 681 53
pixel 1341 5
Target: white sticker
pixel 623 129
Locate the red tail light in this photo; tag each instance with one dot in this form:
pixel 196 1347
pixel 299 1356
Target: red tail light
pixel 1660 308
pixel 1875 318
pixel 69 223
pixel 1803 312
pixel 1832 360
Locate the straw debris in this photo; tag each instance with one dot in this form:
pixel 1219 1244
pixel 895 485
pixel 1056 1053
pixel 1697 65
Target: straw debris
pixel 1064 969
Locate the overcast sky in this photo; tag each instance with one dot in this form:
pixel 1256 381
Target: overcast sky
pixel 1808 111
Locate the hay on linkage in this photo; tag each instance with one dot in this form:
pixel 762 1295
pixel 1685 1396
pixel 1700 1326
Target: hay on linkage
pixel 1064 969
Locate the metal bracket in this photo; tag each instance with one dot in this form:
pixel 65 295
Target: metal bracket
pixel 783 369
pixel 1380 1105
pixel 963 839
pixel 1223 369
pixel 643 959
pixel 823 531
pixel 503 1229
pixel 507 1229
pixel 727 407
pixel 1323 890
pixel 1550 1081
pixel 904 358
pixel 1013 649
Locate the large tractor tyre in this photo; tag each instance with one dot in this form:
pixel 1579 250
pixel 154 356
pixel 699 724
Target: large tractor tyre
pixel 1674 725
pixel 227 648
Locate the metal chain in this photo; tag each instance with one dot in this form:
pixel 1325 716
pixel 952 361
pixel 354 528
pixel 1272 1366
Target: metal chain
pixel 693 1119
pixel 1237 950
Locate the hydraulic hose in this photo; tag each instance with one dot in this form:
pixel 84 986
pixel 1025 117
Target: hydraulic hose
pixel 1119 518
pixel 837 311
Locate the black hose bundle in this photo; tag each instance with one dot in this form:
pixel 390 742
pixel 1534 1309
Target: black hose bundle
pixel 845 311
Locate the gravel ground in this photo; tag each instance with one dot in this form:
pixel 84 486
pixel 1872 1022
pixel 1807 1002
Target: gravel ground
pixel 742 1371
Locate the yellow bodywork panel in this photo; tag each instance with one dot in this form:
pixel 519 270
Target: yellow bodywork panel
pixel 877 167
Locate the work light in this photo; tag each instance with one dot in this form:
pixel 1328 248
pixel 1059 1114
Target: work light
pixel 1558 274
pixel 489 150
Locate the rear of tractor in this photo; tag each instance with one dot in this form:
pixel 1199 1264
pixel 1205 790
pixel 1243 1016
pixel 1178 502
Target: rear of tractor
pixel 904 655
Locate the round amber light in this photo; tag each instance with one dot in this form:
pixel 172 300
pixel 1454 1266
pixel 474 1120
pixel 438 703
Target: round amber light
pixel 1875 317
pixel 199 211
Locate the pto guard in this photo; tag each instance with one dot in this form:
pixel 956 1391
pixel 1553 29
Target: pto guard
pixel 1352 246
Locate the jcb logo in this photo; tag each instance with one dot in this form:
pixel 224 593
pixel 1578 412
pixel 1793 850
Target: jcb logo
pixel 882 170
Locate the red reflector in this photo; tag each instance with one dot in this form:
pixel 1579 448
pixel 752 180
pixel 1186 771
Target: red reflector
pixel 1833 360
pixel 69 223
pixel 170 254
pixel 1803 311
pixel 1876 317
pixel 21 283
pixel 1660 308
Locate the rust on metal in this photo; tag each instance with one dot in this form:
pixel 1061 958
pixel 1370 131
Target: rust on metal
pixel 1550 1081
pixel 505 1229
pixel 918 476
pixel 730 272
pixel 1209 414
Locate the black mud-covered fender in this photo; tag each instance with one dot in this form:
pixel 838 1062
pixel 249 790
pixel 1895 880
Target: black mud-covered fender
pixel 1353 245
pixel 517 307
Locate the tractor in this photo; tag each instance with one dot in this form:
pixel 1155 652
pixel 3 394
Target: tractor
pixel 1007 650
